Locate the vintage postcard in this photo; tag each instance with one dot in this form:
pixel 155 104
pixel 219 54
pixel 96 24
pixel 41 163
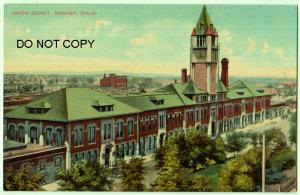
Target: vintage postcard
pixel 150 97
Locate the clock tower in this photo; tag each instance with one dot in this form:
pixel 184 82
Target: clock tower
pixel 204 54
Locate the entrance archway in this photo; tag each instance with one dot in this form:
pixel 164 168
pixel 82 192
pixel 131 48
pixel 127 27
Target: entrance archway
pixel 213 128
pixel 106 156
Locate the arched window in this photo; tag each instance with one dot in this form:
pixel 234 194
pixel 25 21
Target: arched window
pixel 49 135
pixel 60 136
pixel 58 161
pixel 11 133
pixel 21 134
pixel 34 135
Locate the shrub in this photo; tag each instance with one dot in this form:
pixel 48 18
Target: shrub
pixel 283 160
pixel 274 178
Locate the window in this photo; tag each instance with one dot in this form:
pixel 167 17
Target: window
pixel 203 98
pixel 11 132
pixel 82 156
pixel 127 149
pixel 154 142
pixel 34 135
pixel 143 125
pixel 213 98
pixel 58 161
pixel 119 129
pixel 21 131
pixel 133 148
pixel 78 136
pixel 197 115
pixel 92 133
pixel 213 42
pixel 149 146
pixel 162 120
pixel 89 156
pixel 201 41
pixel 49 133
pixel 130 127
pixel 60 137
pixel 107 132
pixel 42 165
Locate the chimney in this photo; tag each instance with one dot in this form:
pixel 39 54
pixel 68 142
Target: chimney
pixel 184 75
pixel 224 74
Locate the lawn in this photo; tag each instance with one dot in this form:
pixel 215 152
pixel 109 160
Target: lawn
pixel 213 171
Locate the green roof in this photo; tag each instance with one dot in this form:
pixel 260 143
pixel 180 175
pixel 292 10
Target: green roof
pixel 221 87
pixel 178 88
pixel 241 89
pixel 205 20
pixel 72 104
pixel 191 89
pixel 145 101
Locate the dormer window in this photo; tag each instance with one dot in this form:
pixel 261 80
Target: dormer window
pixel 102 106
pixel 240 93
pixel 40 108
pixel 157 101
pixel 260 90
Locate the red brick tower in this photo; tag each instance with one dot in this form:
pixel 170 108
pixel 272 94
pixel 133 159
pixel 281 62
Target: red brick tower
pixel 204 54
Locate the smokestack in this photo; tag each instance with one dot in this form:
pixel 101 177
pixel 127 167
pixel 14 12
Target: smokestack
pixel 224 74
pixel 184 75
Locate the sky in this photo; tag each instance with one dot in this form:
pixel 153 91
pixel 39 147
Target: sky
pixel 258 40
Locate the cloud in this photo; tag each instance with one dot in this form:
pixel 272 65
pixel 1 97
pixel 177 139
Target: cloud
pixel 115 31
pixel 225 38
pixel 279 52
pixel 93 29
pixel 265 48
pixel 251 46
pixel 132 53
pixel 225 35
pixel 146 39
pixel 238 66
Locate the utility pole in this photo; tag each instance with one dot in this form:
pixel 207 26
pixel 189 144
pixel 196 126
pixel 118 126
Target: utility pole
pixel 263 164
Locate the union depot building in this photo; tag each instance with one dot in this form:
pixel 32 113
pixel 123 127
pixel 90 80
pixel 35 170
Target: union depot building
pixel 73 124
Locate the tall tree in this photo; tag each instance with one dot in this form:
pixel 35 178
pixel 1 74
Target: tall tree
pixel 85 176
pixel 235 142
pixel 241 174
pixel 24 179
pixel 133 174
pixel 171 177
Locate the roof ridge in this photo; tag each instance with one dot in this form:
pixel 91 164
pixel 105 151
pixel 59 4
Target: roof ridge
pixel 178 93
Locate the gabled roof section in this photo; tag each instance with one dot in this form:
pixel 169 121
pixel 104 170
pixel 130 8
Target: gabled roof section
pixel 178 89
pixel 241 89
pixel 58 111
pixel 72 104
pixel 152 101
pixel 203 21
pixel 221 87
pixel 191 89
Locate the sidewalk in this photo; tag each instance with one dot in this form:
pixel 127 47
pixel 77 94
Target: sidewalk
pixel 51 186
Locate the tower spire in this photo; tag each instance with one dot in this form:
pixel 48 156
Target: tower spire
pixel 204 22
